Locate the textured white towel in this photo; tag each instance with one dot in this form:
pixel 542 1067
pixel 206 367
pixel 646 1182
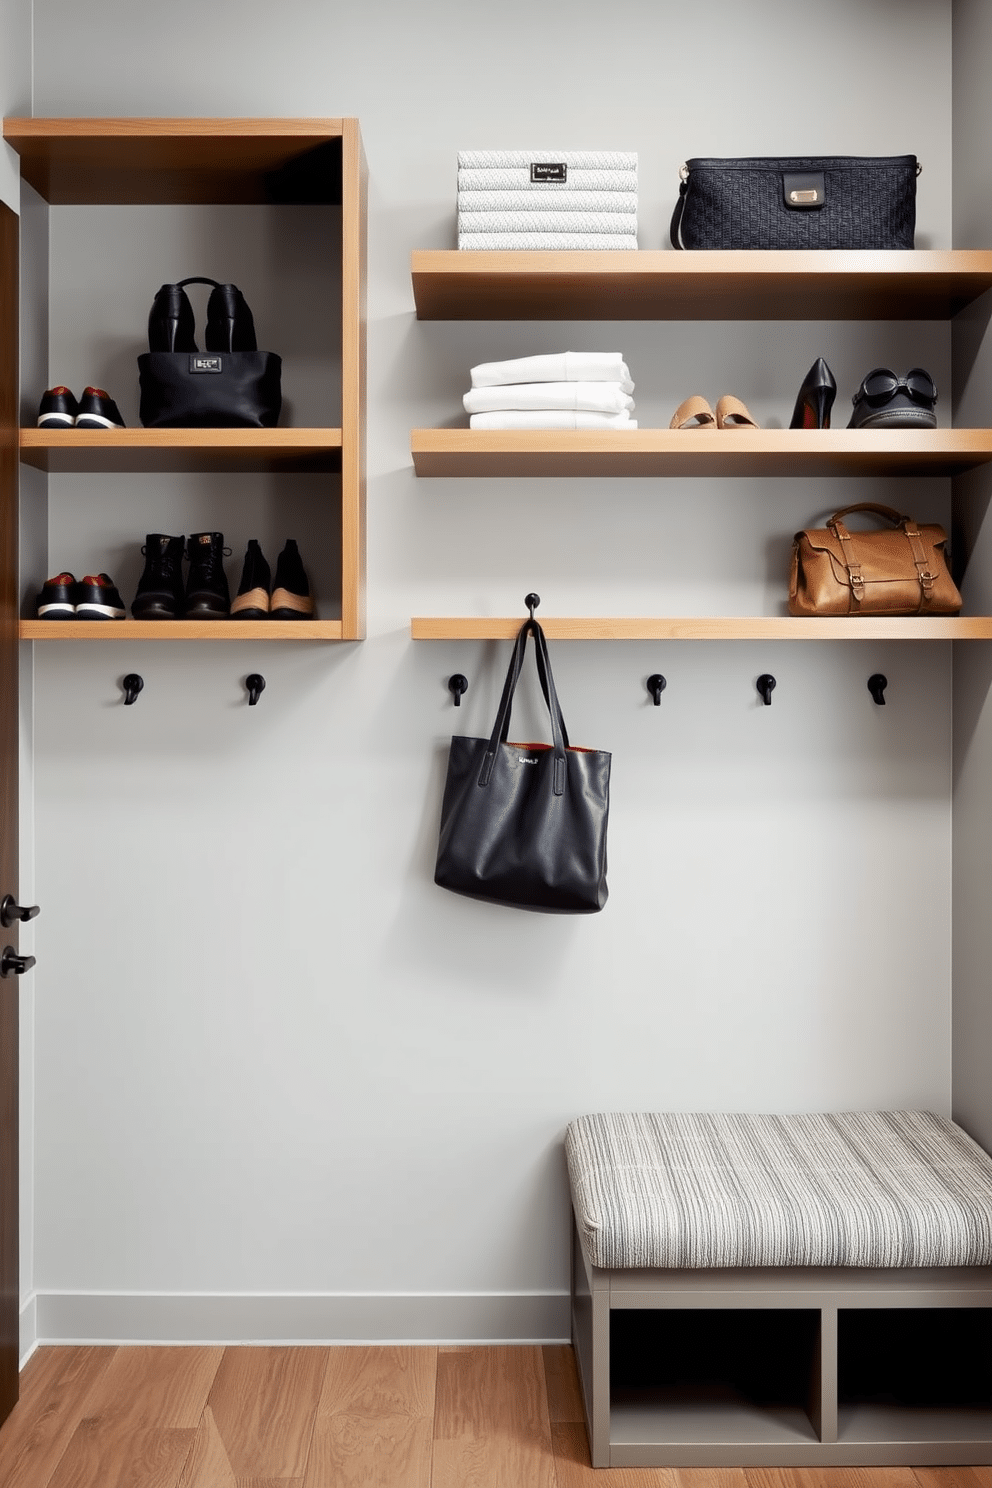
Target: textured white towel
pixel 596 397
pixel 558 366
pixel 551 418
pixel 560 241
pixel 580 159
pixel 517 178
pixel 547 222
pixel 542 199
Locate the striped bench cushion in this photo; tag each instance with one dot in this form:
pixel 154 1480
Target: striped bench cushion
pixel 861 1188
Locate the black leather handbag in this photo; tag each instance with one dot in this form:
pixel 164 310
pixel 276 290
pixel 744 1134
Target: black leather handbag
pixel 231 384
pixel 525 824
pixel 836 201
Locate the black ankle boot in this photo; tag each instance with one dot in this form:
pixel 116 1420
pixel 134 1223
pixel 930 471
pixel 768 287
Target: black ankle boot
pixel 160 588
pixel 230 326
pixel 252 599
pixel 207 594
pixel 171 325
pixel 291 590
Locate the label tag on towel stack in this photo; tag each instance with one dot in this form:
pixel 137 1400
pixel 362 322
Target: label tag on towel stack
pixel 544 170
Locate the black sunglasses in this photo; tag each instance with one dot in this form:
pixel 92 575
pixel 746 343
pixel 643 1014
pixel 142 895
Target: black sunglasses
pixel 882 385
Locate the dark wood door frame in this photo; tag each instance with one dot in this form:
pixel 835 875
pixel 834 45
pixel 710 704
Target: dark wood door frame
pixel 9 1036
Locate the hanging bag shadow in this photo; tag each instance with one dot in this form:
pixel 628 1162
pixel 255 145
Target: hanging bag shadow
pixel 525 824
pixel 230 385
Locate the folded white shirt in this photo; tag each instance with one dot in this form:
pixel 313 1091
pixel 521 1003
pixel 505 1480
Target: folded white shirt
pixel 549 200
pixel 557 242
pixel 571 159
pixel 551 418
pixel 559 366
pixel 517 178
pixel 596 397
pixel 547 222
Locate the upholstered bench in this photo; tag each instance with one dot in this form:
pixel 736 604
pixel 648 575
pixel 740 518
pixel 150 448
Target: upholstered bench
pixel 782 1289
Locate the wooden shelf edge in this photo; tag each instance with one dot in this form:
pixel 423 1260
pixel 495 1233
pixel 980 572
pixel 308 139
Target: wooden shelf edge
pixel 181 630
pixel 710 628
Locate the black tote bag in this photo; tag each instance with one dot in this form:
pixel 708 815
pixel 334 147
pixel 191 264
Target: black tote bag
pixel 525 824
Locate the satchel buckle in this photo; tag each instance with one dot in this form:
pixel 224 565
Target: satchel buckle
pixel 927 580
pixel 804 189
pixel 857 584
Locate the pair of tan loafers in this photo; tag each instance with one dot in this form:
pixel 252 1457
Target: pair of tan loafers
pixel 696 413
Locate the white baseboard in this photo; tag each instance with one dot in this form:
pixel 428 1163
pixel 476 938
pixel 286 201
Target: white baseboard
pixel 28 1328
pixel 125 1317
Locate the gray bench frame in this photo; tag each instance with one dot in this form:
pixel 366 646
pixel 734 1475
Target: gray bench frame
pixel 676 1434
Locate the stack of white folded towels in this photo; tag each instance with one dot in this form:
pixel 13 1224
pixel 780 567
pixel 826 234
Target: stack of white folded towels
pixel 563 390
pixel 547 199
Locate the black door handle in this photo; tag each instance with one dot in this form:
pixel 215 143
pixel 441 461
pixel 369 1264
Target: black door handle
pixel 11 962
pixel 10 912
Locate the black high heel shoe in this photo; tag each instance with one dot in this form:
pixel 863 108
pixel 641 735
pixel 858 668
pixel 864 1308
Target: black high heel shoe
pixel 815 398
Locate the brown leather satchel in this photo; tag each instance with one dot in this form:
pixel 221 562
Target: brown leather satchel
pixel 898 571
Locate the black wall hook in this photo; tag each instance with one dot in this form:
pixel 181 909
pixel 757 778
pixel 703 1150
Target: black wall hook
pixel 132 685
pixel 876 686
pixel 766 685
pixel 656 685
pixel 255 684
pixel 457 684
pixel 532 601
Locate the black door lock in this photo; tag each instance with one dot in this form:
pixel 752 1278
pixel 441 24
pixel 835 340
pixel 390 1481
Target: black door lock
pixel 11 913
pixel 13 964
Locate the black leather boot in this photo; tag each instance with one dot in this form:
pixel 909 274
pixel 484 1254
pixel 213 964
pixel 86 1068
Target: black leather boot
pixel 171 326
pixel 160 588
pixel 252 599
pixel 291 599
pixel 230 324
pixel 207 594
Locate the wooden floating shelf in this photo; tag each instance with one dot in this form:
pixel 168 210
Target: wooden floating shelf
pixel 702 452
pixel 651 284
pixel 710 628
pixel 180 630
pixel 171 450
pixel 177 161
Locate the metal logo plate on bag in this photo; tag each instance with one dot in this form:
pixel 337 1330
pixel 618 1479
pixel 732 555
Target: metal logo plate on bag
pixel 206 364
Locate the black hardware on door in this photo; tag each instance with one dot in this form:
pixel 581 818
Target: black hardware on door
pixel 255 684
pixel 132 685
pixel 11 913
pixel 457 685
pixel 765 685
pixel 656 685
pixel 13 964
pixel 876 686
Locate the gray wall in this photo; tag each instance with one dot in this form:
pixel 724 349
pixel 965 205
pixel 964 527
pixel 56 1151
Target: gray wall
pixel 972 936
pixel 275 1060
pixel 15 84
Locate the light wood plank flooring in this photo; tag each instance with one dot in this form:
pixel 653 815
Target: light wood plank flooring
pixel 412 1417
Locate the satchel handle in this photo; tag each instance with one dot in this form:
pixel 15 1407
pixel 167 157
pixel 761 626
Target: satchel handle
pixel 889 512
pixel 502 724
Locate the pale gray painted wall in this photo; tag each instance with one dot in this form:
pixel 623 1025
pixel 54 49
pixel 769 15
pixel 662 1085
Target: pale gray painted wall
pixel 273 1057
pixel 15 85
pixel 972 667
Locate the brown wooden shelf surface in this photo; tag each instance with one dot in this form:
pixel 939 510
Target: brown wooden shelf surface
pixel 60 450
pixel 180 630
pixel 703 452
pixel 659 284
pixel 181 160
pixel 709 628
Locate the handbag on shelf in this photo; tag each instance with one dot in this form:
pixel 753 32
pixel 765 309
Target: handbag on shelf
pixel 525 824
pixel 231 384
pixel 800 202
pixel 898 570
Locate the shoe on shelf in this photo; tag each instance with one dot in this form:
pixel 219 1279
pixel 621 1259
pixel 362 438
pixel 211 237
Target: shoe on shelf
pixel 171 326
pixel 97 599
pixel 731 413
pixel 97 410
pixel 885 401
pixel 160 589
pixel 230 324
pixel 252 599
pixel 291 598
pixel 57 600
pixel 815 398
pixel 207 594
pixel 58 409
pixel 693 413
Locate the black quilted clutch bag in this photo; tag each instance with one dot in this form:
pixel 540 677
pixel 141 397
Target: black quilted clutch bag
pixel 837 201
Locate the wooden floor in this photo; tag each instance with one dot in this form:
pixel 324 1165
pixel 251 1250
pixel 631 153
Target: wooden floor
pixel 418 1417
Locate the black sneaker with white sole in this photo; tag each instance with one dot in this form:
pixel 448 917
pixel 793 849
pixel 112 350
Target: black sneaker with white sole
pixel 57 600
pixel 58 409
pixel 97 410
pixel 97 598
